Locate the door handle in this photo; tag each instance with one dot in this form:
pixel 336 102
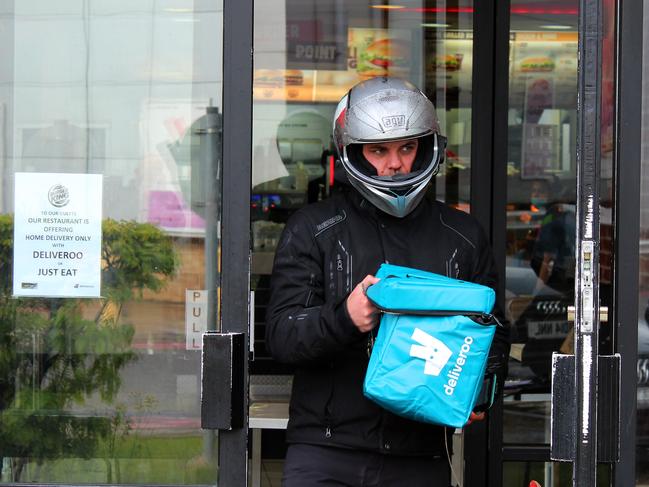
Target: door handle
pixel 223 390
pixel 603 314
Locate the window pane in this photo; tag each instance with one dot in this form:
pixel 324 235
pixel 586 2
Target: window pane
pixel 541 185
pixel 106 389
pixel 548 474
pixel 541 220
pixel 307 55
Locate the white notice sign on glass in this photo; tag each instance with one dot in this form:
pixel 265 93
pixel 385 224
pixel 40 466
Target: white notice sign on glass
pixel 57 235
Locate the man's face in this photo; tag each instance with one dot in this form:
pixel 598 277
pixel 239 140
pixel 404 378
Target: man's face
pixel 390 158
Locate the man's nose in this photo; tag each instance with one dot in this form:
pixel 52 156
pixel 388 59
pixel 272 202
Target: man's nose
pixel 394 161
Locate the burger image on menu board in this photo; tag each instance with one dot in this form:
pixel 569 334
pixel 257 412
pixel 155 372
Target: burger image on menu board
pixel 384 57
pixel 293 77
pixel 449 62
pixel 278 77
pixel 537 64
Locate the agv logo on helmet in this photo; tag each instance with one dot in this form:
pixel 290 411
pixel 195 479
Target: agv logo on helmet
pixel 394 121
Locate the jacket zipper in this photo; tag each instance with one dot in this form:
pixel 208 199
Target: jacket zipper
pixel 329 404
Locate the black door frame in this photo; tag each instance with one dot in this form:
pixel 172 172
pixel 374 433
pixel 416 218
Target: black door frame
pixel 628 143
pixel 483 442
pixel 235 223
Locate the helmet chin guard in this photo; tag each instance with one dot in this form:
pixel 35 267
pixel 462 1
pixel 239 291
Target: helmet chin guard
pixel 388 110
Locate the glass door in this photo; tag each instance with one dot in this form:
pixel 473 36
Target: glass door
pixel 541 223
pixel 108 252
pixel 307 55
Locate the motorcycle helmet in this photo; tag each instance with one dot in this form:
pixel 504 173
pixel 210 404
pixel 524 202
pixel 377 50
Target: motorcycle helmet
pixel 387 110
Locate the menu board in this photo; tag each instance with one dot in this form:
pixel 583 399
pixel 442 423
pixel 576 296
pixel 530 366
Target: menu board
pixel 543 66
pixel 540 151
pixel 543 81
pixel 370 53
pixel 316 44
pixel 449 61
pixel 543 72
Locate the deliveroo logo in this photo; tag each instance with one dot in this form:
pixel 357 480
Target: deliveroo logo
pixel 433 351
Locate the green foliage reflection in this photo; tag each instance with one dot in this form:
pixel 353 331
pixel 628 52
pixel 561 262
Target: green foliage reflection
pixel 52 356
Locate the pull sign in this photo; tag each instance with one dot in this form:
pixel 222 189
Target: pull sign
pixel 195 318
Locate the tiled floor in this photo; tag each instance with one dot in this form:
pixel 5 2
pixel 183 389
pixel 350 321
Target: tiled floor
pixel 271 473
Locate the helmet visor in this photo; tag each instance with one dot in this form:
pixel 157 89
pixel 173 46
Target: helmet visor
pixel 430 155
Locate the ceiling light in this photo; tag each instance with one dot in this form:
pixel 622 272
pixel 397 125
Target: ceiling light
pixel 556 27
pixel 437 26
pixel 388 7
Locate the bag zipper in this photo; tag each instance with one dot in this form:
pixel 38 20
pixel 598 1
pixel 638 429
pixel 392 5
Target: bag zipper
pixel 486 317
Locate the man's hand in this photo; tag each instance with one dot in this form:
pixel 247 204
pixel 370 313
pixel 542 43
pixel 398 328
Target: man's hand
pixel 362 312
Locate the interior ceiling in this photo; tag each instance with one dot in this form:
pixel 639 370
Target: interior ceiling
pixel 532 14
pixel 525 14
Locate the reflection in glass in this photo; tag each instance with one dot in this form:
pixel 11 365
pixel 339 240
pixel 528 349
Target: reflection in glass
pixel 547 474
pixel 541 206
pixel 96 391
pixel 308 54
pixel 541 174
pixel 59 352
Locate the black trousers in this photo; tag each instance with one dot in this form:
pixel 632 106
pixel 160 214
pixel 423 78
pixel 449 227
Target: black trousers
pixel 311 465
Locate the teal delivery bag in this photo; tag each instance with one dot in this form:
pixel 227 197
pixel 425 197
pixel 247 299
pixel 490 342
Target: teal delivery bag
pixel 431 350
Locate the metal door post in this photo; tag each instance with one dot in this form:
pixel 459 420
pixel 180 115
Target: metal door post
pixel 575 378
pixel 235 234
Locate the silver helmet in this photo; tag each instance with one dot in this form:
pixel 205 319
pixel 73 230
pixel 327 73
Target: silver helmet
pixel 388 110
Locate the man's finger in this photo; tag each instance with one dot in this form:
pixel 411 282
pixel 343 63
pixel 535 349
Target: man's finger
pixel 475 417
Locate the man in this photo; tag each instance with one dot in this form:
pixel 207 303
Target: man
pixel 387 138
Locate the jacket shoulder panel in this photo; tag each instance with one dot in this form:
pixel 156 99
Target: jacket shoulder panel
pixel 462 224
pixel 318 218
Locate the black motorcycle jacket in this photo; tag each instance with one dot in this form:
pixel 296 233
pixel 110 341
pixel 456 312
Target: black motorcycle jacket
pixel 326 249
